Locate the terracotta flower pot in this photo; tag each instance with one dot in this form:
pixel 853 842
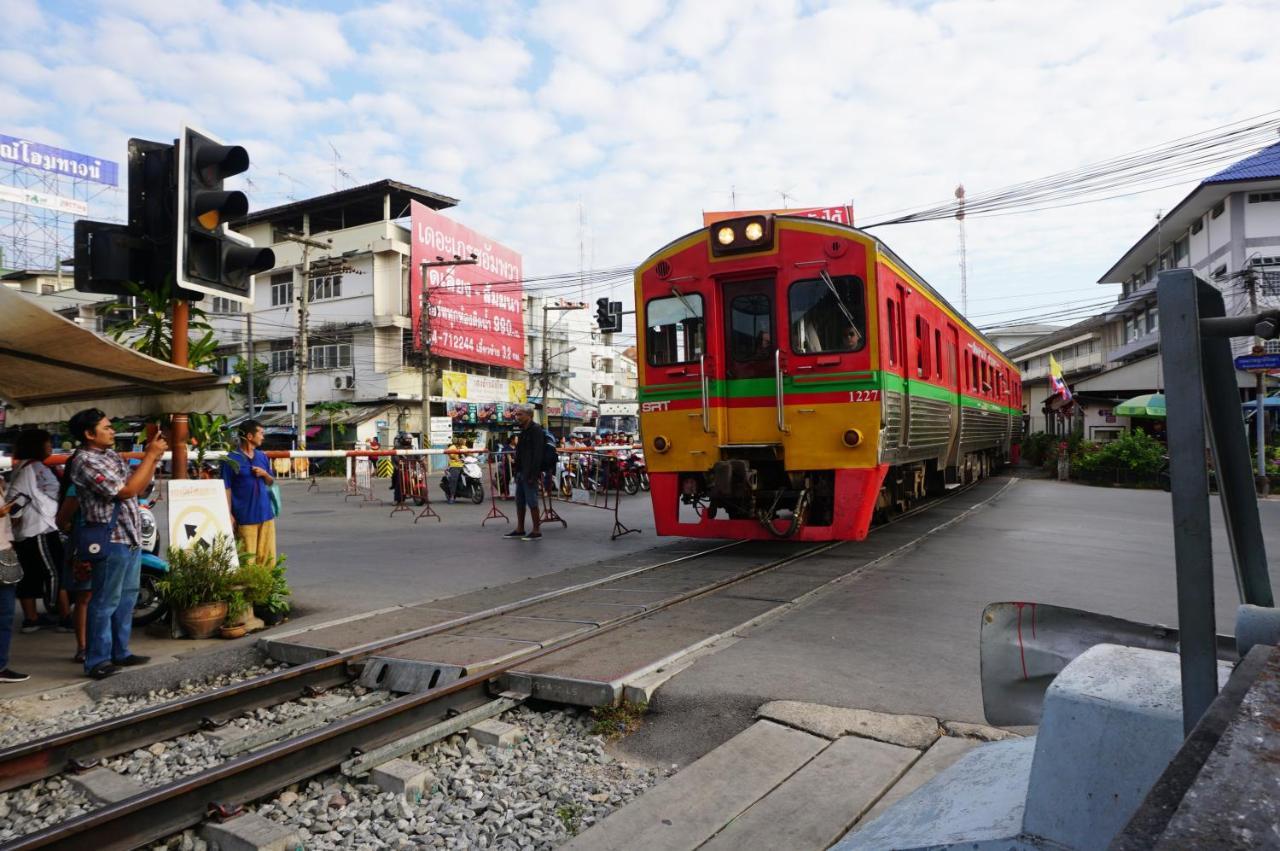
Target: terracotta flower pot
pixel 203 621
pixel 232 631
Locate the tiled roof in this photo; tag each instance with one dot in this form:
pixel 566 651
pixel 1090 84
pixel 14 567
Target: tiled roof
pixel 1262 165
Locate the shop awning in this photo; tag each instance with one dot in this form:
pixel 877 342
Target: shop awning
pixel 354 415
pixel 51 367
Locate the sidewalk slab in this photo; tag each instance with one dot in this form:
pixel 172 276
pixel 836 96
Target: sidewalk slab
pixel 912 731
pixel 815 806
pixel 941 755
pixel 688 809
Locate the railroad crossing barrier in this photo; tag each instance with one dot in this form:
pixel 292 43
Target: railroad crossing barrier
pixel 591 478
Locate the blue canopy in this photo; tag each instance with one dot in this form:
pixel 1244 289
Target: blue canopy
pixel 1271 403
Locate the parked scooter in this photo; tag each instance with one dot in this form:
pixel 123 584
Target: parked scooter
pixel 150 607
pixel 470 482
pixel 635 476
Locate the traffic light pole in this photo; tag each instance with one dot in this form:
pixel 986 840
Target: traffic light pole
pixel 178 356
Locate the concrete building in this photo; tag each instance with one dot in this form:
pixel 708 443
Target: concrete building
pixel 360 327
pixel 1008 337
pixel 1228 230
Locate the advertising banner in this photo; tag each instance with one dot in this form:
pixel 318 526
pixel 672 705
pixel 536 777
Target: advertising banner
pixel 67 163
pixel 34 198
pixel 842 214
pixel 477 311
pixel 462 386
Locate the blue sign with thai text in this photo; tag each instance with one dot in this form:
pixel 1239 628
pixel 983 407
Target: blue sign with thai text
pixel 67 163
pixel 1258 362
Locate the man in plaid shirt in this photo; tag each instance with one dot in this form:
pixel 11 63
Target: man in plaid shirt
pixel 103 480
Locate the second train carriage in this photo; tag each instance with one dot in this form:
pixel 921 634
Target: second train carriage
pixel 797 377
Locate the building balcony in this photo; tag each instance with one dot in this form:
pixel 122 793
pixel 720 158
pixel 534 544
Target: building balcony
pixel 1070 366
pixel 1143 345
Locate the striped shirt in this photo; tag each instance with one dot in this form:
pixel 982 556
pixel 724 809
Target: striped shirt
pixel 98 475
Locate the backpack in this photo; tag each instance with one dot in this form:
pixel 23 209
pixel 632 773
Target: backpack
pixel 550 456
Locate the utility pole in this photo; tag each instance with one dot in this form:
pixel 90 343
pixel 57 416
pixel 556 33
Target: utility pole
pixel 424 332
pixel 248 319
pixel 1260 394
pixel 301 355
pixel 544 379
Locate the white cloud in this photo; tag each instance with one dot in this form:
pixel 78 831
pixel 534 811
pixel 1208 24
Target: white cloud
pixel 651 111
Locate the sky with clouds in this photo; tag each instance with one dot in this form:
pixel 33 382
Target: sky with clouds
pixel 643 113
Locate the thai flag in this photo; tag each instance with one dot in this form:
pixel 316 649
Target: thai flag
pixel 1056 381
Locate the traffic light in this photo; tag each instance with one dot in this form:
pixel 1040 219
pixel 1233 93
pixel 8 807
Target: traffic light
pixel 608 315
pixel 177 239
pixel 210 258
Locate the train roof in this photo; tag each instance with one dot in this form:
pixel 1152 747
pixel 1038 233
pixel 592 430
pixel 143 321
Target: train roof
pixel 881 247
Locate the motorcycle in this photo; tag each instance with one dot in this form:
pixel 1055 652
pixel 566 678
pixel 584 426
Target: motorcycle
pixel 470 482
pixel 635 477
pixel 149 606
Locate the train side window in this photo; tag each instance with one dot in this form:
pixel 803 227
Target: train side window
pixel 922 348
pixel 674 330
pixel 937 354
pixel 892 321
pixel 827 318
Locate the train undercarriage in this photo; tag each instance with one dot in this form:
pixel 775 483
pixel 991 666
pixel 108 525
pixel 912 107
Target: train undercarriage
pixel 756 486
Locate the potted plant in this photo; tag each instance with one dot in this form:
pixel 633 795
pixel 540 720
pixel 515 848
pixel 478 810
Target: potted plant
pixel 237 609
pixel 198 586
pixel 274 606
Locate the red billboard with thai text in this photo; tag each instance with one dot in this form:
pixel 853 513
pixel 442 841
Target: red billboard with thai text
pixel 476 311
pixel 841 214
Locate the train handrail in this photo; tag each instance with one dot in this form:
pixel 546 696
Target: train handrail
pixel 706 394
pixel 781 399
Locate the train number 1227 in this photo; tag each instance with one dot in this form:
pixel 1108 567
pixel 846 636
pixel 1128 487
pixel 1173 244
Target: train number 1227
pixel 864 395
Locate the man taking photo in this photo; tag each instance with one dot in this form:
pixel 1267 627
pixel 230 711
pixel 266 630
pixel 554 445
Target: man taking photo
pixel 247 475
pixel 108 494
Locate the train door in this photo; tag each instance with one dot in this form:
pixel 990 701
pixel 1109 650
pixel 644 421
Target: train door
pixel 751 362
pixel 894 363
pixel 954 377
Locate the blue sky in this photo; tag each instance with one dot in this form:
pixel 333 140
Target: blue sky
pixel 647 112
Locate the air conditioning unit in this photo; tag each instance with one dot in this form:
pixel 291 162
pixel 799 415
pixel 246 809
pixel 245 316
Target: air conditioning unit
pixel 337 382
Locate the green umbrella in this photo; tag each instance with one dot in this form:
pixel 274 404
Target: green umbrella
pixel 1146 405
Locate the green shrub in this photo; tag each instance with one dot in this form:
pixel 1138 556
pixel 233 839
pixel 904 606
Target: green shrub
pixel 199 575
pixel 1135 455
pixel 1035 447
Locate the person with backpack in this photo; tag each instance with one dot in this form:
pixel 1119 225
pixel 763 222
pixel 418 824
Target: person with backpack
pixel 8 561
pixel 35 531
pixel 110 536
pixel 529 467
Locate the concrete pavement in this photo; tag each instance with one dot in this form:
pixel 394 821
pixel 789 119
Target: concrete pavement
pixel 903 637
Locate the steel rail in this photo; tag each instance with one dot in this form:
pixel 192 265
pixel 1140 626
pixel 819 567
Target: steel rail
pixel 45 757
pixel 160 812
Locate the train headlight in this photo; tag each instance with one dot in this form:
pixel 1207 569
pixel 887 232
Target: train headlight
pixel 754 231
pixel 725 236
pixel 661 444
pixel 852 437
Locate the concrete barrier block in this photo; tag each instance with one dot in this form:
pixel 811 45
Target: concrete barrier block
pixel 250 832
pixel 497 733
pixel 402 777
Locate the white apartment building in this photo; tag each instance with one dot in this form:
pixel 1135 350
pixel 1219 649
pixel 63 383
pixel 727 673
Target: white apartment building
pixel 360 337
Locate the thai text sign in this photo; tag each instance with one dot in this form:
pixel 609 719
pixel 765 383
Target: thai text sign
pixel 476 311
pixel 68 163
pixel 481 388
pixel 35 198
pixel 840 214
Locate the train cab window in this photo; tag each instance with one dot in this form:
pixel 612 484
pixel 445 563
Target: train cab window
pixel 750 328
pixel 827 315
pixel 674 330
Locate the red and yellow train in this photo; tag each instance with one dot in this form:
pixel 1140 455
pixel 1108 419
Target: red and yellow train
pixel 797 378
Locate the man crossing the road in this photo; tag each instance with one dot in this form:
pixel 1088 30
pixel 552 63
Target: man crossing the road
pixel 527 473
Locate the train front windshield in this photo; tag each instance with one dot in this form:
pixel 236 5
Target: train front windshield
pixel 828 314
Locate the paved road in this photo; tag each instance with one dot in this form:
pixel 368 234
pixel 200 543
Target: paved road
pixel 903 637
pixel 344 559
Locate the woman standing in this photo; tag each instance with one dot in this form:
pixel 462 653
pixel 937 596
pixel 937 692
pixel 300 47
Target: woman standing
pixel 35 531
pixel 6 594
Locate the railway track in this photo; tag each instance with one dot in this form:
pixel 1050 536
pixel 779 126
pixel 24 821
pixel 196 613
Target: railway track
pixel 352 738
